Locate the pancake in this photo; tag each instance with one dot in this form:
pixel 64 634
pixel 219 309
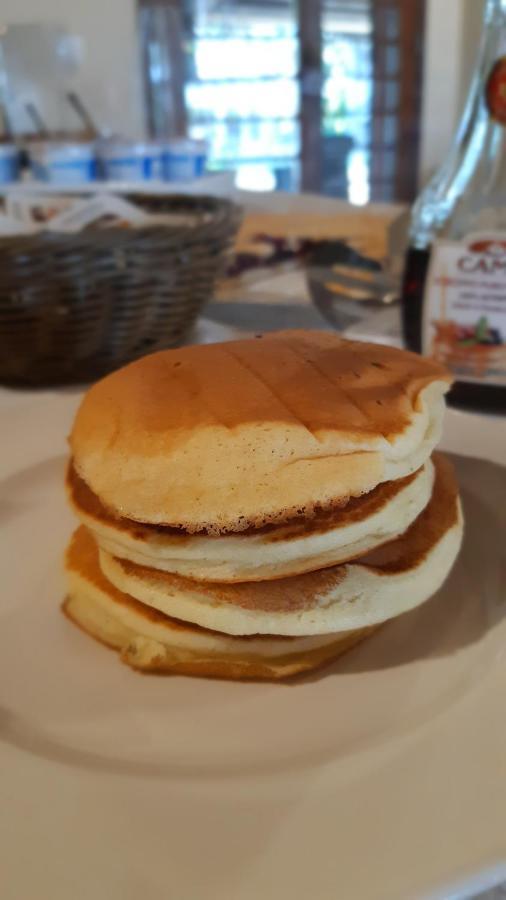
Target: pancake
pixel 227 437
pixel 151 641
pixel 293 548
pixel 388 581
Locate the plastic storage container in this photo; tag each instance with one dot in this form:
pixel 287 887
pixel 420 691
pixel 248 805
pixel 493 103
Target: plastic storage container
pixel 130 161
pixel 64 163
pixel 184 159
pixel 9 163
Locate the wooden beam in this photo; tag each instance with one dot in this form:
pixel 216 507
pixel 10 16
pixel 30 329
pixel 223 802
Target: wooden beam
pixel 398 38
pixel 410 107
pixel 309 14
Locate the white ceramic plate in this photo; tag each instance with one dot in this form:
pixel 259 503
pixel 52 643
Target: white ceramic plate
pixel 382 777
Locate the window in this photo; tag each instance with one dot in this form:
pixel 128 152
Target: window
pixel 321 95
pixel 242 92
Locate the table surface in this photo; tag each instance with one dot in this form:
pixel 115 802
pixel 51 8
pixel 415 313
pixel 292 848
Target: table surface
pixel 466 433
pixel 274 301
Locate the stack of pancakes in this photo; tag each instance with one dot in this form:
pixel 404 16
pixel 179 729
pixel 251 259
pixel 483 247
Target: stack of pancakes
pixel 254 508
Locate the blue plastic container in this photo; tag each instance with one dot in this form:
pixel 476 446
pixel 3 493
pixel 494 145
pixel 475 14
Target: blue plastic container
pixel 64 163
pixel 130 161
pixel 184 159
pixel 9 163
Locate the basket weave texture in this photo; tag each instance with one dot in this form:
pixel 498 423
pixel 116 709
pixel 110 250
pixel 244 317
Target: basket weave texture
pixel 76 306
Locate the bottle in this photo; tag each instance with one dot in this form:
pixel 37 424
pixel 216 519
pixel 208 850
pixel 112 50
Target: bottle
pixel 454 287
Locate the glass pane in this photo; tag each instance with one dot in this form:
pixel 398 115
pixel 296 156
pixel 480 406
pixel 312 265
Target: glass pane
pixel 242 92
pixel 391 95
pixel 347 99
pixel 389 23
pixel 390 128
pixel 392 58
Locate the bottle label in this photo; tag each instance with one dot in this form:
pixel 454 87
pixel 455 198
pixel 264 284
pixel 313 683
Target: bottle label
pixel 495 91
pixel 464 309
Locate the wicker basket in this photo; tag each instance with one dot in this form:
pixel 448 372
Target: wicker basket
pixel 75 306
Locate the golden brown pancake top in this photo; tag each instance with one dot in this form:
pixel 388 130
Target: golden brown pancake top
pixel 316 379
pixel 224 437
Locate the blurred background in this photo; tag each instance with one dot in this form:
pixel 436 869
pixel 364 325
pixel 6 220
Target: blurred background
pixel 356 99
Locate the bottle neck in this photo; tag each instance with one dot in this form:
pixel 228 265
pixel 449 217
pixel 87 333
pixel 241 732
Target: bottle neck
pixel 492 49
pixel 473 177
pixel 493 42
pixel 494 8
